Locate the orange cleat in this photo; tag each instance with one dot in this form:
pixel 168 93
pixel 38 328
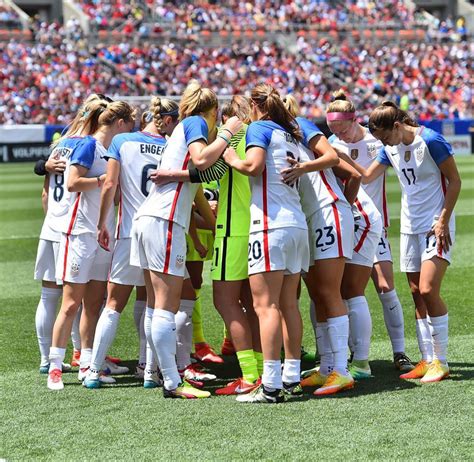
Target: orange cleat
pixel 418 372
pixel 436 372
pixel 334 383
pixel 76 358
pixel 238 387
pixel 113 359
pixel 206 354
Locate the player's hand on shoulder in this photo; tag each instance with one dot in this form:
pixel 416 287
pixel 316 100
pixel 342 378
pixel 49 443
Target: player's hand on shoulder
pixel 230 156
pixel 55 165
pixel 291 174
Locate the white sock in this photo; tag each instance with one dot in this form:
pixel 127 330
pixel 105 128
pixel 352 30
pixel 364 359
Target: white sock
pixel 271 377
pixel 75 333
pixel 105 332
pixel 184 333
pixel 44 320
pixel 56 358
pixel 291 371
pixel 138 318
pixel 338 334
pixel 163 332
pixel 314 322
pixel 439 335
pixel 324 348
pixel 360 327
pixel 151 358
pixel 393 317
pixel 350 341
pixel 424 338
pixel 86 356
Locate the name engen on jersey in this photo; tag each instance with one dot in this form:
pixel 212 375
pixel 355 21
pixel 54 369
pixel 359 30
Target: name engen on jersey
pixel 154 149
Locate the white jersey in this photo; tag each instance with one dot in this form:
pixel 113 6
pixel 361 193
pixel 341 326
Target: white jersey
pixel 173 201
pixel 422 183
pixel 139 154
pixel 83 216
pixel 364 152
pixel 317 189
pixel 273 203
pixel 60 200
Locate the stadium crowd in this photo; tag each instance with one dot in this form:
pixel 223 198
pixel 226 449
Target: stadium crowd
pixel 8 17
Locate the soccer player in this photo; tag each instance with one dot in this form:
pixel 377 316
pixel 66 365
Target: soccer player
pixel 131 159
pixel 430 183
pixel 56 204
pixel 361 148
pixel 82 265
pixel 331 235
pixel 158 233
pixel 278 241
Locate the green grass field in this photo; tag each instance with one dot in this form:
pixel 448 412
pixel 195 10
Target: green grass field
pixel 382 418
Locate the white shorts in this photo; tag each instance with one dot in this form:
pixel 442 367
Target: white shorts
pixel 365 244
pixel 121 271
pixel 158 245
pixel 383 252
pixel 331 232
pixel 416 248
pixel 81 259
pixel 282 249
pixel 46 259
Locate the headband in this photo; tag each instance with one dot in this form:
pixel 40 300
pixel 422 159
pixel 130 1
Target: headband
pixel 174 112
pixel 333 116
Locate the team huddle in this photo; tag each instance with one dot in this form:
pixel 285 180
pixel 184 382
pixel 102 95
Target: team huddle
pixel 272 202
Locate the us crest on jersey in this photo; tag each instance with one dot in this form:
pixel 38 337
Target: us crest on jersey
pixel 407 156
pixel 419 153
pixel 372 151
pixel 354 154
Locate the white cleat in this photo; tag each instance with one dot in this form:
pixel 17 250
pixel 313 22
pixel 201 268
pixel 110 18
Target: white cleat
pixel 114 369
pixel 140 372
pixel 55 380
pixel 196 372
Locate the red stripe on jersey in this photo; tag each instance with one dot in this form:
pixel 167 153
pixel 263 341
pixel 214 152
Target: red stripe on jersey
pixel 170 220
pixel 338 229
pixel 266 251
pixel 66 249
pixel 443 184
pixel 74 214
pixel 119 213
pixel 384 204
pixel 367 226
pixel 325 181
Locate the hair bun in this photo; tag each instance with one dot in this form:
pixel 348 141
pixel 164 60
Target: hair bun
pixel 389 104
pixel 339 95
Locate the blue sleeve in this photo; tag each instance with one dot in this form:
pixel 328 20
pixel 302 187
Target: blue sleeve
pixel 114 149
pixel 438 147
pixel 382 157
pixel 84 153
pixel 258 135
pixel 195 128
pixel 309 129
pixel 332 139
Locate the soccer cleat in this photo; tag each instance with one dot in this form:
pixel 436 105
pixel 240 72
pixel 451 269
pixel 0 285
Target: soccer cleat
pixel 112 368
pixel 196 372
pixel 139 371
pixel 185 391
pixel 92 380
pixel 238 387
pixel 292 389
pixel 360 373
pixel 314 379
pixel 103 377
pixel 76 358
pixel 152 380
pixel 113 359
pixel 227 348
pixel 206 354
pixel 44 369
pixel 402 362
pixel 436 371
pixel 55 380
pixel 334 383
pixel 260 395
pixel 418 372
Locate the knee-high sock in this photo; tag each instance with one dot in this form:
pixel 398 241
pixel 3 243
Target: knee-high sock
pixel 163 333
pixel 44 320
pixel 151 357
pixel 184 333
pixel 424 338
pixel 75 333
pixel 360 327
pixel 291 370
pixel 338 334
pixel 271 378
pixel 138 318
pixel 105 332
pixel 198 332
pixel 439 336
pixel 393 317
pixel 324 348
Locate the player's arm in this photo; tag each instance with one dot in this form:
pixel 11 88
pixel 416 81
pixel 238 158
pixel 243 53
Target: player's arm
pixel 200 248
pixel 252 165
pixel 204 209
pixel 109 190
pixel 78 183
pixel 369 174
pixel 55 165
pixel 351 178
pixel 44 194
pixel 441 228
pixel 203 155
